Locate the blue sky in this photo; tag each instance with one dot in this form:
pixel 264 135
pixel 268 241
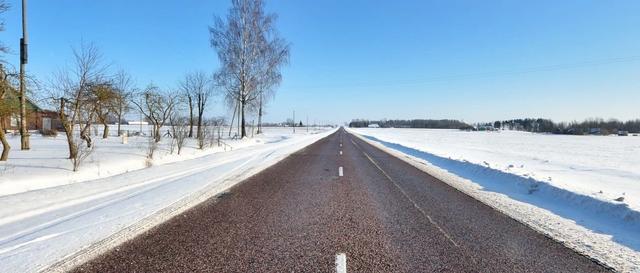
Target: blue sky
pixel 469 60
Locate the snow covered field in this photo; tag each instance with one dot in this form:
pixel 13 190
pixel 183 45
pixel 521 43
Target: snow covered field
pixel 581 190
pixel 45 165
pixel 48 212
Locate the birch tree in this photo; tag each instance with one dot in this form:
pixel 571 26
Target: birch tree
pixel 250 52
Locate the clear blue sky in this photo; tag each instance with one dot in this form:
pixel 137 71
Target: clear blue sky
pixel 470 60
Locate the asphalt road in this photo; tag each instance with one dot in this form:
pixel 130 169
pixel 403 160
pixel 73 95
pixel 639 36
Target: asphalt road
pixel 384 215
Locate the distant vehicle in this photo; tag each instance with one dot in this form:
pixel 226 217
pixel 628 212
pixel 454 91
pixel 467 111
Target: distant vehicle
pixel 623 133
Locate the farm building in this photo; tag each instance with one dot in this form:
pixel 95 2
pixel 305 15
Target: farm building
pixel 37 118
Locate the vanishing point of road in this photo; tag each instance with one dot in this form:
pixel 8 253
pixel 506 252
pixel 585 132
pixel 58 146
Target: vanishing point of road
pixel 341 205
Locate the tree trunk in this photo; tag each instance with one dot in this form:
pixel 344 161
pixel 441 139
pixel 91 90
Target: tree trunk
pixel 87 137
pixel 85 132
pixel 242 123
pixel 105 133
pixel 156 133
pixel 68 130
pixel 190 117
pixel 5 143
pixel 260 116
pixel 119 121
pixel 233 118
pixel 73 149
pixel 200 124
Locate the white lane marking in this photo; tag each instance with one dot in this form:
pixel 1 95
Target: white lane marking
pixel 341 263
pixel 355 143
pixel 340 144
pixel 340 171
pixel 446 235
pixel 340 152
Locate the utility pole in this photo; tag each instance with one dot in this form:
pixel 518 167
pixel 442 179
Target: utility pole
pixel 24 133
pixel 294 121
pixel 307 124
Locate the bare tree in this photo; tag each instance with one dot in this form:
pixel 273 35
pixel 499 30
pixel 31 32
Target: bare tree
pixel 186 87
pixel 9 106
pixel 82 153
pixel 156 106
pixel 124 87
pixel 199 89
pixel 71 88
pixel 250 52
pixel 275 57
pixel 180 129
pixel 105 100
pixel 152 146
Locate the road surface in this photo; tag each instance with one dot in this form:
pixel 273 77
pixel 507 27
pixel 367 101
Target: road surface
pixel 341 205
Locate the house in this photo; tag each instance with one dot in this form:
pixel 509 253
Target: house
pixel 373 125
pixel 37 118
pixel 623 133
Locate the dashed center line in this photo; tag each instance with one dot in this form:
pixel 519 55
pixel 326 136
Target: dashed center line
pixel 340 152
pixel 341 263
pixel 340 172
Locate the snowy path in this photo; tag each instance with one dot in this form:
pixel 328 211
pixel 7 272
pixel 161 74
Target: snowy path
pixel 38 228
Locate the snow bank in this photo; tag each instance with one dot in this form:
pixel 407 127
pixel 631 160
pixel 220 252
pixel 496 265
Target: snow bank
pixel 610 230
pixel 46 164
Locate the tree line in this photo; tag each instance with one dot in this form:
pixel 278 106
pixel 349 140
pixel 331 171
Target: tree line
pixel 537 125
pixel 89 91
pixel 589 126
pixel 411 123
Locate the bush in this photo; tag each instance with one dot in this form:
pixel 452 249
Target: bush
pixel 49 133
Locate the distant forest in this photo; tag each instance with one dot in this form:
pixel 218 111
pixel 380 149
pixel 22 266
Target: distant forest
pixel 412 123
pixel 537 125
pixel 589 126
